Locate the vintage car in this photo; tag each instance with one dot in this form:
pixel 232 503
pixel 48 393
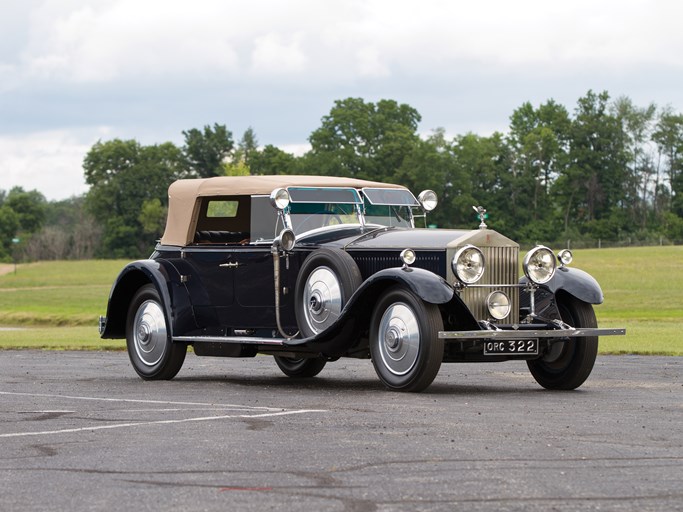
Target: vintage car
pixel 310 269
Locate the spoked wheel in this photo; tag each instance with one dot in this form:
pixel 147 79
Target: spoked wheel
pixel 150 349
pixel 568 363
pixel 300 368
pixel 404 344
pixel 326 281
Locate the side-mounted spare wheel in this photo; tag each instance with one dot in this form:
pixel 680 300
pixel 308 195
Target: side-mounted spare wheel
pixel 404 340
pixel 151 351
pixel 327 279
pixel 568 363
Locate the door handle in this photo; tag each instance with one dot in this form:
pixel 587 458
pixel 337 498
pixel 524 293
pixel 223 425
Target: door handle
pixel 232 264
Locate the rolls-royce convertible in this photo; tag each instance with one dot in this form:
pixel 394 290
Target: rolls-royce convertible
pixel 311 269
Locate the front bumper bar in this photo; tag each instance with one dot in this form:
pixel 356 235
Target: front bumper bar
pixel 525 334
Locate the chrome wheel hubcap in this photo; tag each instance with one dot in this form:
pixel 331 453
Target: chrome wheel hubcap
pixel 149 333
pixel 323 299
pixel 399 338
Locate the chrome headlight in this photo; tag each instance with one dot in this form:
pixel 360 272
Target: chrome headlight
pixel 565 257
pixel 468 264
pixel 287 239
pixel 279 198
pixel 428 200
pixel 498 305
pixel 539 265
pixel 408 256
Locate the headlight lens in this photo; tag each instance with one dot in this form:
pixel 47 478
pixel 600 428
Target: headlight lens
pixel 468 264
pixel 498 305
pixel 279 198
pixel 287 239
pixel 565 257
pixel 428 200
pixel 539 265
pixel 408 256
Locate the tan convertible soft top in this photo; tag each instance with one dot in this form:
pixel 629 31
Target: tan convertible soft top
pixel 183 194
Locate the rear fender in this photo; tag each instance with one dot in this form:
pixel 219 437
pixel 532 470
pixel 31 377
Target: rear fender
pixel 165 279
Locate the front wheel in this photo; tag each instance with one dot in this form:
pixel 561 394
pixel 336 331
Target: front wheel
pixel 404 343
pixel 150 349
pixel 300 368
pixel 568 363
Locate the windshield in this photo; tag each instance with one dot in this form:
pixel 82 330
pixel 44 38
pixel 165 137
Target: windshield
pixel 389 206
pixel 388 215
pixel 318 207
pixel 307 216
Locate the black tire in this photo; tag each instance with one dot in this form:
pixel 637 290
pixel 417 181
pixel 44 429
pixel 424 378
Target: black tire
pixel 327 279
pixel 300 368
pixel 404 343
pixel 568 364
pixel 150 349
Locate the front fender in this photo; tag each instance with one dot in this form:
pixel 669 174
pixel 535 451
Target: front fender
pixel 355 317
pixel 576 282
pixel 165 279
pixel 425 284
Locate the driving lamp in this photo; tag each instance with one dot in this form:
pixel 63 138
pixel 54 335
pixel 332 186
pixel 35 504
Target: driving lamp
pixel 408 256
pixel 279 198
pixel 428 200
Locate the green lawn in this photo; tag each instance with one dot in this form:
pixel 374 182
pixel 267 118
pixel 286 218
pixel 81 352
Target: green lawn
pixel 56 304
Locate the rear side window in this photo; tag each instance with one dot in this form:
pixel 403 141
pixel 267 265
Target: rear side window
pixel 222 209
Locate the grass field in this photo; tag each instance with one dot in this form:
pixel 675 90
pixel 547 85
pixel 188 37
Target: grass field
pixel 56 304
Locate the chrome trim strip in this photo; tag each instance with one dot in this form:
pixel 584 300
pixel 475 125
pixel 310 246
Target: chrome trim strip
pixel 524 334
pixel 247 340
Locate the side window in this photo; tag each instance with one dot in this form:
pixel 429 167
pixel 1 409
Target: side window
pixel 223 220
pixel 222 208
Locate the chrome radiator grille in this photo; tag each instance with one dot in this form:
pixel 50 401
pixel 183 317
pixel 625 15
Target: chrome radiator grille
pixel 501 269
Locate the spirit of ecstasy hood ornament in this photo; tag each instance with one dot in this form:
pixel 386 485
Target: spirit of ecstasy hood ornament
pixel 481 213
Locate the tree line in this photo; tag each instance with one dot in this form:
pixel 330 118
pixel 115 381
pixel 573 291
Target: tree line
pixel 608 170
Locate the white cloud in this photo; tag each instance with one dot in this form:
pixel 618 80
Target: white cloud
pixel 123 39
pixel 150 68
pixel 273 55
pixel 50 162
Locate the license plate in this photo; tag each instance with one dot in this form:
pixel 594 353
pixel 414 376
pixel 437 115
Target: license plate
pixel 511 347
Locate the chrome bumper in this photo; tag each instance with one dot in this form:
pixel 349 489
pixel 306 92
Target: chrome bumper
pixel 524 334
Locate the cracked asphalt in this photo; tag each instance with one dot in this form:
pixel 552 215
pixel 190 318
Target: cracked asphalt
pixel 80 431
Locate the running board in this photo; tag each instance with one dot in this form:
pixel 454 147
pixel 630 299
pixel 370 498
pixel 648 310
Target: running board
pixel 237 340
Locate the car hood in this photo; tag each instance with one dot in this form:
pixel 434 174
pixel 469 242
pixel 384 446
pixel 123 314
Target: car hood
pixel 420 239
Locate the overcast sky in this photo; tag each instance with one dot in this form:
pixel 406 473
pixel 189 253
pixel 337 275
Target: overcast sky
pixel 76 71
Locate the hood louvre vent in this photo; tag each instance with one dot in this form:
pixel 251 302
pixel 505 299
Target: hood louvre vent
pixel 369 264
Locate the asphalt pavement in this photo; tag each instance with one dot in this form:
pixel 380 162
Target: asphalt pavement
pixel 80 431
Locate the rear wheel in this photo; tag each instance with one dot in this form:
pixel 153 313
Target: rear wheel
pixel 150 349
pixel 404 343
pixel 568 364
pixel 300 368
